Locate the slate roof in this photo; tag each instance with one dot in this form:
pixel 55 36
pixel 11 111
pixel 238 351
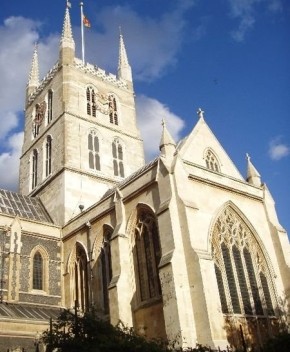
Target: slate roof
pixel 24 311
pixel 12 203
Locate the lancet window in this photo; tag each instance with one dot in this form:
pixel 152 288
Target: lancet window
pixel 94 150
pixel 113 113
pixel 243 277
pixel 49 106
pixel 48 146
pixel 37 281
pixel 91 102
pixel 211 161
pixel 118 163
pixel 79 279
pixel 34 169
pixel 147 255
pixel 106 262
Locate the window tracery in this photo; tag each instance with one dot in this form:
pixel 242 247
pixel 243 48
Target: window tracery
pixel 147 255
pixel 211 161
pixel 94 150
pixel 243 277
pixel 79 278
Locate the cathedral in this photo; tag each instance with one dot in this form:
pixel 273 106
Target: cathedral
pixel 183 247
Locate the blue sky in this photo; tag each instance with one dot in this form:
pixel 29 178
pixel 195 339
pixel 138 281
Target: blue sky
pixel 230 57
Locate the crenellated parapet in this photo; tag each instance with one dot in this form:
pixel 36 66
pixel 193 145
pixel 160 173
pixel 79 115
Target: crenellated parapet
pixel 97 71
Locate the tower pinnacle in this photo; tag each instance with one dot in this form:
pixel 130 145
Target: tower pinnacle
pixel 33 81
pixel 124 69
pixel 67 44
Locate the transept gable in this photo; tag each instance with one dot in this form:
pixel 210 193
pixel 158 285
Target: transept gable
pixel 201 148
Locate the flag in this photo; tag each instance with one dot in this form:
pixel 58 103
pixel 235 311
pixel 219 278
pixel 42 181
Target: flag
pixel 86 22
pixel 68 4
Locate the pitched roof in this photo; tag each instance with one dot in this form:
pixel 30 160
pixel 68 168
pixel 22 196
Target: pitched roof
pixel 12 203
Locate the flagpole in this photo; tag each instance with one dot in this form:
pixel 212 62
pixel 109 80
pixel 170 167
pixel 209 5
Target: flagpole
pixel 82 31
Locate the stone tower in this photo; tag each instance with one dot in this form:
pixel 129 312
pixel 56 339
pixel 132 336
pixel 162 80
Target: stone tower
pixel 80 134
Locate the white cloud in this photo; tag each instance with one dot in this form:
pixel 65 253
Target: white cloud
pixel 150 113
pixel 245 12
pixel 18 37
pixel 152 43
pixel 278 150
pixel 9 162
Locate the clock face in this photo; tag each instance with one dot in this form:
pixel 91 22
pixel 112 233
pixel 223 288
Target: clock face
pixel 40 113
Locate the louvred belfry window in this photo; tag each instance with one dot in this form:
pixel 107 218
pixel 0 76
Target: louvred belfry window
pixel 91 102
pixel 243 277
pixel 113 113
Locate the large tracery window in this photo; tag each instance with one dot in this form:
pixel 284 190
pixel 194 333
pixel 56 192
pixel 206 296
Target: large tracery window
pixel 91 102
pixel 94 151
pixel 211 161
pixel 118 164
pixel 113 113
pixel 242 273
pixel 147 255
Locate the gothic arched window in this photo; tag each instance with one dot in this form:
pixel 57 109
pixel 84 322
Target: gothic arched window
pixel 37 281
pixel 34 168
pixel 48 156
pixel 91 101
pixel 211 161
pixel 118 164
pixel 49 106
pixel 106 262
pixel 113 113
pixel 94 151
pixel 243 278
pixel 147 255
pixel 80 278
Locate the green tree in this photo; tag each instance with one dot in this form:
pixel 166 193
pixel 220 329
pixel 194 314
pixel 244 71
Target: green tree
pixel 88 333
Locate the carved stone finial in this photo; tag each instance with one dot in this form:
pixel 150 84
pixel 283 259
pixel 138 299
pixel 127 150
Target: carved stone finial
pixel 248 157
pixel 200 113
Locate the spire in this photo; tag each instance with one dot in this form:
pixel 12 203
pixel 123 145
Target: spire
pixel 33 80
pixel 253 176
pixel 67 44
pixel 167 145
pixel 124 69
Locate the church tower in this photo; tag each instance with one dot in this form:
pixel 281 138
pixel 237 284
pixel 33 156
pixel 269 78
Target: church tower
pixel 81 135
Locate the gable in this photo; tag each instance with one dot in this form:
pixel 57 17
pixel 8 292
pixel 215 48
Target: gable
pixel 202 148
